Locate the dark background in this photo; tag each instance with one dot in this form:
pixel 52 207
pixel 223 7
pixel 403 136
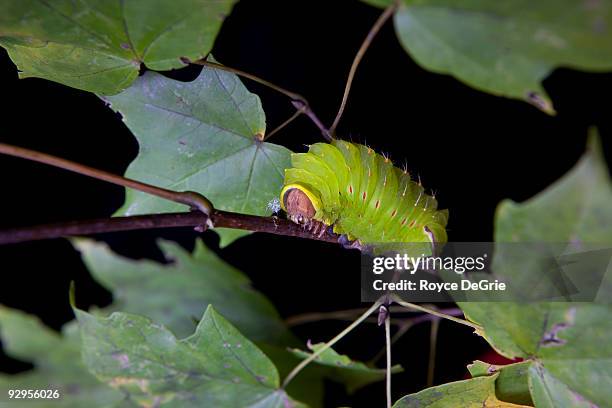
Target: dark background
pixel 471 148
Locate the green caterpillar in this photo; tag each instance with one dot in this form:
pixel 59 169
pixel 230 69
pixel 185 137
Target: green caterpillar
pixel 361 194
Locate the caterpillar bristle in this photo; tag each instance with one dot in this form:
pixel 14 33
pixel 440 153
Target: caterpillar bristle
pixel 416 203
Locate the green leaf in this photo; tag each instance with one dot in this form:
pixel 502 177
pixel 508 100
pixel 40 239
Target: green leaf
pixel 506 47
pixel 512 383
pixel 353 374
pixel 175 294
pixel 202 136
pixel 477 392
pixel 216 366
pixel 548 392
pixel 570 341
pixel 57 363
pixel 98 46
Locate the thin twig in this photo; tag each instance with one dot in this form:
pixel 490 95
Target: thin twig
pixel 382 19
pixel 280 127
pixel 297 100
pixel 271 225
pixel 319 316
pixel 330 343
pixel 388 347
pixel 433 341
pixel 190 198
pixel 292 95
pixel 399 301
pixel 352 313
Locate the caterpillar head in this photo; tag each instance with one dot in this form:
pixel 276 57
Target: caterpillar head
pixel 299 203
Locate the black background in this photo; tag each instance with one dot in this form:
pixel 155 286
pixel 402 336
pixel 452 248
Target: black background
pixel 471 148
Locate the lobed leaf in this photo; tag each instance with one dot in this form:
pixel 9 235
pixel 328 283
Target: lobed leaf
pixel 203 136
pixel 176 293
pixel 506 47
pixel 569 341
pixel 99 46
pixel 216 366
pixel 57 363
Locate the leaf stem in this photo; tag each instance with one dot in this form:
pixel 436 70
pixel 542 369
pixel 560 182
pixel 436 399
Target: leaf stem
pixel 397 300
pixel 280 127
pixel 297 100
pixel 382 19
pixel 190 198
pixel 388 347
pixel 330 343
pixel 433 341
pixel 348 314
pixel 215 65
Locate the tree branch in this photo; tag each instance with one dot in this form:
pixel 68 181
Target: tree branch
pixel 194 219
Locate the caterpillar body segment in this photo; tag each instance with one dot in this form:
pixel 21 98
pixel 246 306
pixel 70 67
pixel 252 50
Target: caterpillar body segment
pixel 334 160
pixel 318 167
pixel 352 160
pixel 362 194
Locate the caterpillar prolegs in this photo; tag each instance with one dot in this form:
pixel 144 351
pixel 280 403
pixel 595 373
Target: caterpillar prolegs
pixel 361 194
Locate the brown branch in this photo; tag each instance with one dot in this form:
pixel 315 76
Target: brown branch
pixel 382 19
pixel 194 219
pixel 190 198
pixel 298 101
